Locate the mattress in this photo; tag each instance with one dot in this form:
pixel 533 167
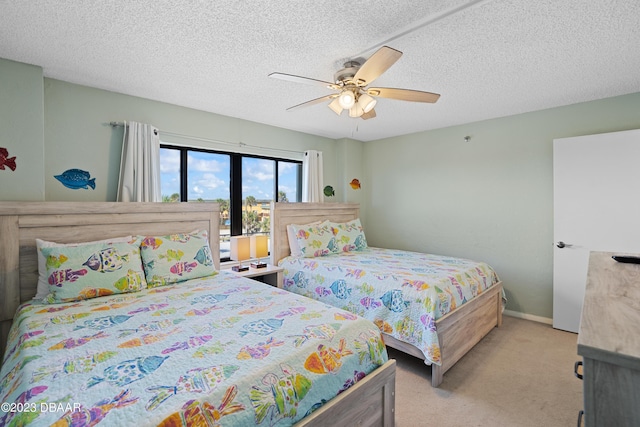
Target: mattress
pixel 402 292
pixel 223 350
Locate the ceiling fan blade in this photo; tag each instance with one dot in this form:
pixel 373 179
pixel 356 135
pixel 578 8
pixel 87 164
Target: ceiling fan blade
pixel 315 101
pixel 377 64
pixel 304 80
pixel 370 115
pixel 403 94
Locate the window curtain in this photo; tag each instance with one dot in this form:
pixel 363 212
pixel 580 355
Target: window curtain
pixel 312 180
pixel 140 164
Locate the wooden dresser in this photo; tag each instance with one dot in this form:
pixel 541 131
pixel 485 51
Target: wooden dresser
pixel 609 342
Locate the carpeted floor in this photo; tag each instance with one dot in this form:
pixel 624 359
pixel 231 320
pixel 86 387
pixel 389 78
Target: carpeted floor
pixel 521 374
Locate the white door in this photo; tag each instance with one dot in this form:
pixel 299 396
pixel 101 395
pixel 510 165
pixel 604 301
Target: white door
pixel 596 201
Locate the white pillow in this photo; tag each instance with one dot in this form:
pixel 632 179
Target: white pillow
pixel 43 284
pixel 293 240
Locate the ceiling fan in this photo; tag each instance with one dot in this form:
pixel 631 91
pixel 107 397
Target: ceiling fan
pixel 352 83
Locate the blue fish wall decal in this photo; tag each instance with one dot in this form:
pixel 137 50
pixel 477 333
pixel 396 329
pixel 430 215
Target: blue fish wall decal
pixel 76 179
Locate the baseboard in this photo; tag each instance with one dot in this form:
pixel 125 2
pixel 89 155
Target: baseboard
pixel 526 316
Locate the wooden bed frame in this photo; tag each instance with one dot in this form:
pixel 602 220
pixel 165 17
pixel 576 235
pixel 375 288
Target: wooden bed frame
pixel 458 331
pixel 370 402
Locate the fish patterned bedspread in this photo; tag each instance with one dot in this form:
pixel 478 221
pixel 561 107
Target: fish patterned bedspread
pixel 223 350
pixel 402 292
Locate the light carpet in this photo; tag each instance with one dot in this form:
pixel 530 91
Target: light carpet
pixel 521 374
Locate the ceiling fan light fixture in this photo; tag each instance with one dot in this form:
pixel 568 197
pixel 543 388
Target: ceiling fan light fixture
pixel 366 102
pixel 347 99
pixel 351 86
pixel 335 106
pixel 356 110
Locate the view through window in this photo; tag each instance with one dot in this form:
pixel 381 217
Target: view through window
pixel 242 184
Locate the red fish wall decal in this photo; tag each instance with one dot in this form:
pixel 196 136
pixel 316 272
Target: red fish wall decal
pixel 7 161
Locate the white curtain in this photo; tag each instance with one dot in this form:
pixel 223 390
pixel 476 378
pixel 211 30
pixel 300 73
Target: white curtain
pixel 312 180
pixel 140 164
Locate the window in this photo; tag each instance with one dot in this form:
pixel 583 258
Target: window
pixel 242 184
pixel 289 182
pixel 170 175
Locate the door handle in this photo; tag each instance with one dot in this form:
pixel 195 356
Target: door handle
pixel 578 369
pixel 562 244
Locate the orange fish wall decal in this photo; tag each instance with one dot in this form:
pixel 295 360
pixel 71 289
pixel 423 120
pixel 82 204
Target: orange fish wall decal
pixel 355 183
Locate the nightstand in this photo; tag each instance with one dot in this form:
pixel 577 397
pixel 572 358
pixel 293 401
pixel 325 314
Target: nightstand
pixel 271 275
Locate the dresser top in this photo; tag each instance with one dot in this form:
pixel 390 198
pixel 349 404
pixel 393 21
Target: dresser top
pixel 610 322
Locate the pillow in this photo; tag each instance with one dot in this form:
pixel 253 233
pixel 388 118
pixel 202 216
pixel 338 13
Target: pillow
pixel 92 270
pixel 43 285
pixel 293 241
pixel 315 240
pixel 176 257
pixel 349 235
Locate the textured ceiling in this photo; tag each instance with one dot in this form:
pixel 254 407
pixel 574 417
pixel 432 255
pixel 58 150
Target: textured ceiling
pixel 488 58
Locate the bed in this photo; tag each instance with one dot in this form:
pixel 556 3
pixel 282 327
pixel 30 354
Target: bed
pixel 219 349
pixel 340 280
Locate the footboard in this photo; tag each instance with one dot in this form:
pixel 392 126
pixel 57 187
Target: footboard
pixel 463 328
pixel 459 330
pixel 370 402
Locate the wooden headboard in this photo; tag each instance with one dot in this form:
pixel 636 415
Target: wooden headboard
pixel 283 214
pixel 71 222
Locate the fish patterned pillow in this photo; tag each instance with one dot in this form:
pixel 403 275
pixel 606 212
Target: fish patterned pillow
pixel 293 240
pixel 349 235
pixel 176 257
pixel 43 284
pixel 93 270
pixel 315 240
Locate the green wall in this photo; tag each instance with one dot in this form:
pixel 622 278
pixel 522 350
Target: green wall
pixel 21 130
pixel 350 154
pixel 78 135
pixel 488 199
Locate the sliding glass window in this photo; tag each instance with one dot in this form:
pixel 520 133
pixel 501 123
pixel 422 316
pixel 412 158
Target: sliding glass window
pixel 242 184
